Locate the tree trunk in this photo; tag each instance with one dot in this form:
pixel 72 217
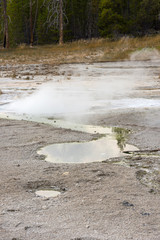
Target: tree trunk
pixel 36 13
pixel 60 22
pixel 6 35
pixel 90 19
pixel 31 25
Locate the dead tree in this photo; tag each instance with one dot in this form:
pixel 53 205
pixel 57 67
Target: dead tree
pixel 31 21
pixel 60 21
pixel 6 34
pixel 31 24
pixel 56 15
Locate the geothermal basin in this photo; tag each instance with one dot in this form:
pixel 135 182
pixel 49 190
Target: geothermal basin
pixel 79 91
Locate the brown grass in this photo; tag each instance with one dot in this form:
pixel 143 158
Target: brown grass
pixel 94 50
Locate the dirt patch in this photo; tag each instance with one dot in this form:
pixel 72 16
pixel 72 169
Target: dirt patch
pixel 98 200
pixel 28 72
pixel 115 199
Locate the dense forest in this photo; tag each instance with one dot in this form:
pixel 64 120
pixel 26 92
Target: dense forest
pixel 50 21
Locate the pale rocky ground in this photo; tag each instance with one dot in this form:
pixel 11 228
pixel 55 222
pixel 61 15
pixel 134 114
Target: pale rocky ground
pixel 98 201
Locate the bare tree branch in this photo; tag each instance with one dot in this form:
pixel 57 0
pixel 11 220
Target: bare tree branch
pixel 56 16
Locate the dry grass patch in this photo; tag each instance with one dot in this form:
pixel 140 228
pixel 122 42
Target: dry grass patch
pixel 78 51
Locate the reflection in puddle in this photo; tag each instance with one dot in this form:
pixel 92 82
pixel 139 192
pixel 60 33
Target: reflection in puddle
pixel 47 193
pixel 121 136
pixel 94 151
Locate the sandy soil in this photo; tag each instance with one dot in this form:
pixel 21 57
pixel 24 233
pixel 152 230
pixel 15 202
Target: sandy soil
pixel 98 200
pixel 114 200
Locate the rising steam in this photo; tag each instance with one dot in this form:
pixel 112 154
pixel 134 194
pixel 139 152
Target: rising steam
pixel 145 54
pixel 89 87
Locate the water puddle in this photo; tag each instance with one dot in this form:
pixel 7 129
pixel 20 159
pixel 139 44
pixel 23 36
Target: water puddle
pixel 47 193
pixel 111 145
pixel 94 151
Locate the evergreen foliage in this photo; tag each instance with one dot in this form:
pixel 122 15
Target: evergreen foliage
pixel 82 19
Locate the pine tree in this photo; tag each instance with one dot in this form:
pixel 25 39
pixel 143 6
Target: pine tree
pixel 149 16
pixel 111 20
